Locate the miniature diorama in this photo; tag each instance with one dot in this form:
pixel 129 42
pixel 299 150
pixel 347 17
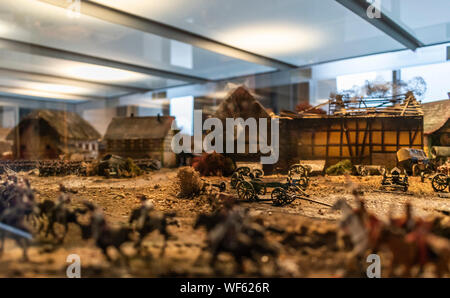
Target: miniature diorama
pixel 225 215
pixel 301 140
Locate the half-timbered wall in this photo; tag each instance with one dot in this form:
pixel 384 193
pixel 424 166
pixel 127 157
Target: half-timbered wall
pixel 363 140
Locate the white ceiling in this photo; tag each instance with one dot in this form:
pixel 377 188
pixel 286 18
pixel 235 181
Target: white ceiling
pixel 298 32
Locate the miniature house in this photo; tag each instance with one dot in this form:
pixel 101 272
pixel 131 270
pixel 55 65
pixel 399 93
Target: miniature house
pixel 364 135
pixel 141 137
pixel 48 134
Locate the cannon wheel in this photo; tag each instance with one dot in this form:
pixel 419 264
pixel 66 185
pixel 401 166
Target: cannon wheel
pixel 298 170
pixel 279 196
pixel 246 191
pixel 257 173
pixel 243 171
pixel 439 182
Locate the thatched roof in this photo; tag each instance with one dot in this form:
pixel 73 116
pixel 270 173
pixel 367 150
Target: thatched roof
pixel 436 114
pixel 240 103
pixel 4 132
pixel 131 128
pixel 66 124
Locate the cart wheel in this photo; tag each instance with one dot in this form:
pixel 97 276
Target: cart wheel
pixel 257 173
pixel 235 178
pixel 296 171
pixel 439 182
pixel 246 191
pixel 243 171
pixel 278 196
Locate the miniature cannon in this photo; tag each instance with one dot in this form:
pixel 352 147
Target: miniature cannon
pixel 395 181
pixel 250 186
pixel 440 182
pixel 242 172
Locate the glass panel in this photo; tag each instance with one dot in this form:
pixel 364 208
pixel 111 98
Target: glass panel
pixel 300 32
pixel 428 20
pixel 25 21
pixel 435 75
pixel 182 108
pixel 82 71
pixel 53 88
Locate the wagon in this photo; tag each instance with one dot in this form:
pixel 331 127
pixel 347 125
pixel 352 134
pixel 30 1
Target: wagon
pixel 250 185
pixel 415 162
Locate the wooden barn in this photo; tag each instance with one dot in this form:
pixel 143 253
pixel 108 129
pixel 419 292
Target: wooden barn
pixel 363 140
pixel 141 137
pixel 363 131
pixel 49 134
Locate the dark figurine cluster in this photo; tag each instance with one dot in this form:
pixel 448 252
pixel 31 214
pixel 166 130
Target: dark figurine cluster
pixel 232 230
pixel 21 216
pixel 17 204
pixel 142 221
pixel 412 242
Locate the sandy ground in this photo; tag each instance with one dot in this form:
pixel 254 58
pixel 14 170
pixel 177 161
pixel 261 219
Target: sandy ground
pixel 314 255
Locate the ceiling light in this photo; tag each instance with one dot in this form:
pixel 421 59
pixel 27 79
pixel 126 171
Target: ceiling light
pixel 58 88
pixel 43 94
pixel 272 39
pixel 100 73
pixel 4 28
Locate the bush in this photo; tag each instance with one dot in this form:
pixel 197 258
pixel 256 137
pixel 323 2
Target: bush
pixel 132 169
pixel 189 182
pixel 342 167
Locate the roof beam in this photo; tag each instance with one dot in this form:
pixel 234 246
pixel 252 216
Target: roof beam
pixel 39 50
pixel 146 25
pixel 51 79
pixel 384 23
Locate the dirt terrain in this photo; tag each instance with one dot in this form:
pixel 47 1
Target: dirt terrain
pixel 314 255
